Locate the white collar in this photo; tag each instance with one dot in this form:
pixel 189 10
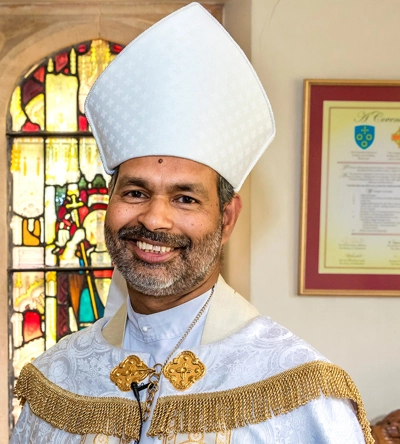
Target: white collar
pixel 167 324
pixel 228 313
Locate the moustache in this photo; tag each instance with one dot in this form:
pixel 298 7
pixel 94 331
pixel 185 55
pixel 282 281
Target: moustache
pixel 172 240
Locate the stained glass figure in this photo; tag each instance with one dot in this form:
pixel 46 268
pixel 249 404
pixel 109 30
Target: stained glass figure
pixel 18 116
pixel 31 89
pixel 26 335
pixel 59 270
pixel 61 91
pixel 35 110
pixel 100 52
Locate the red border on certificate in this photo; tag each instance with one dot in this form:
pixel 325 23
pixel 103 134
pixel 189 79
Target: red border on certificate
pixel 311 281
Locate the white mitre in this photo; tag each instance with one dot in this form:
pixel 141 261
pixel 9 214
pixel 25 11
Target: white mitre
pixel 182 88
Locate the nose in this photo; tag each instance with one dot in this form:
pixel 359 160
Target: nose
pixel 156 215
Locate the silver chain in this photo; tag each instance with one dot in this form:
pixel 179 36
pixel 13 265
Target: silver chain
pixel 154 378
pixel 199 315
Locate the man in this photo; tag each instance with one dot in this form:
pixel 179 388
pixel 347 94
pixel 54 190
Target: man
pixel 180 119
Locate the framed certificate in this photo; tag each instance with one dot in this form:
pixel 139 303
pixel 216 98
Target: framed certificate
pixel 350 222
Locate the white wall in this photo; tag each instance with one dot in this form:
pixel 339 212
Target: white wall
pixel 236 266
pixel 292 40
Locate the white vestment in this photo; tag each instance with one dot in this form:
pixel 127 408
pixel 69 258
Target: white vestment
pixel 257 388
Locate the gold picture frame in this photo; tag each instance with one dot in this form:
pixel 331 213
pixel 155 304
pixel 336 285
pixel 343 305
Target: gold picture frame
pixel 350 209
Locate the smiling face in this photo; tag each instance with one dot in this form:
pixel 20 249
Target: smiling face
pixel 164 229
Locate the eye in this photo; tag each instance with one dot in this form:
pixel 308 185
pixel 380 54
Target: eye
pixel 186 200
pixel 136 194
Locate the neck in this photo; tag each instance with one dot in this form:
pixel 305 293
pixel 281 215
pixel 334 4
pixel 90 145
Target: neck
pixel 146 304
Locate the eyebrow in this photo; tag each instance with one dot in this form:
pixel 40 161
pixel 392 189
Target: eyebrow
pixel 129 181
pixel 197 188
pixel 191 187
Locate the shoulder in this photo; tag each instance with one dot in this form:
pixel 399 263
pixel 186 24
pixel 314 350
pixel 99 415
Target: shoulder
pixel 278 343
pixel 81 363
pixel 235 326
pixel 78 343
pixel 258 351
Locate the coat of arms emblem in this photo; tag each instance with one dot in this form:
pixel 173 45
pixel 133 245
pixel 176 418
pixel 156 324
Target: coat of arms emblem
pixel 364 135
pixel 396 137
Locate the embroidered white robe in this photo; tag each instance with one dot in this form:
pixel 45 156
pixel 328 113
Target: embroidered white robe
pixel 239 349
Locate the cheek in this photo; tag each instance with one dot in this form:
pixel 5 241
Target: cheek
pixel 197 226
pixel 118 216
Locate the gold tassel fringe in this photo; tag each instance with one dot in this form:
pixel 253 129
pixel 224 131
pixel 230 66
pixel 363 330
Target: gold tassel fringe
pixel 76 413
pixel 256 403
pixel 204 412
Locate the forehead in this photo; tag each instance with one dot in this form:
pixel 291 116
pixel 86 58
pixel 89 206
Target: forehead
pixel 167 170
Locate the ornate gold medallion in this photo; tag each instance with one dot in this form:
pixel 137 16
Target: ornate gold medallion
pixel 131 369
pixel 184 370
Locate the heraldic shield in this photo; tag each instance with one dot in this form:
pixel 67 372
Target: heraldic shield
pixel 364 135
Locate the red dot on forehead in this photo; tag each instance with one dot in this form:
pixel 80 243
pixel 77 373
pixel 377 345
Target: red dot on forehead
pixel 160 161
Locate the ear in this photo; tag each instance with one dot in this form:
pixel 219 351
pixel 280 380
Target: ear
pixel 230 216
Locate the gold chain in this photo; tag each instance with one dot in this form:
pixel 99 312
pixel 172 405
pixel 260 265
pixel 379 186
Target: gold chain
pixel 152 389
pixel 154 377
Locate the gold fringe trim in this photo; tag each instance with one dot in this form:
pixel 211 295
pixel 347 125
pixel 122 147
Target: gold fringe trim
pixel 256 403
pixel 205 412
pixel 76 413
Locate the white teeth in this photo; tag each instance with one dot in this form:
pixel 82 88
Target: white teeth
pixel 149 248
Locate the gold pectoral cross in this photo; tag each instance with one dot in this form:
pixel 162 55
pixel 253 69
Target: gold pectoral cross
pixel 131 369
pixel 184 370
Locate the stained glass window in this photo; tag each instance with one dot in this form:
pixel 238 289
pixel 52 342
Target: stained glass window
pixel 59 268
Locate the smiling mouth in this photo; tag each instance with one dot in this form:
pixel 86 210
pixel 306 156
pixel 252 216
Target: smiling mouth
pixel 155 243
pixel 149 248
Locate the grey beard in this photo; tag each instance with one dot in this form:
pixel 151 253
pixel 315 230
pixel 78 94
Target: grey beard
pixel 196 260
